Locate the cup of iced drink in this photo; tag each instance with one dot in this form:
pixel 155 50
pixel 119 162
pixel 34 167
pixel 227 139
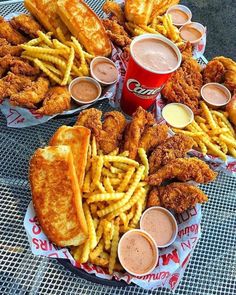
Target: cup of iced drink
pixel 153 58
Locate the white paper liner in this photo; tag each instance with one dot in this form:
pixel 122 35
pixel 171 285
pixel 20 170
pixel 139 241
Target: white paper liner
pixel 172 260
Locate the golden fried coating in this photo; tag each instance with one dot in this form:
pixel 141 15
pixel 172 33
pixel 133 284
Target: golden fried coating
pixel 116 33
pixel 56 196
pixel 7 48
pixel 183 170
pixel 176 196
pixel 186 50
pixel 110 7
pixel 7 32
pixel 77 138
pixel 57 100
pixel 160 7
pixel 213 72
pixel 174 147
pixel 153 136
pixel 12 84
pixel 112 129
pixel 138 11
pixel 135 129
pixel 230 71
pixel 91 119
pixel 26 24
pixel 184 85
pixel 85 25
pixel 31 95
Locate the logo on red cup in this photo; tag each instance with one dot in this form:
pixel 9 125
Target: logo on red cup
pixel 142 91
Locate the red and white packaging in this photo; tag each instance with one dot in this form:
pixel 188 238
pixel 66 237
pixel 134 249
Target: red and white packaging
pixel 172 263
pixel 141 84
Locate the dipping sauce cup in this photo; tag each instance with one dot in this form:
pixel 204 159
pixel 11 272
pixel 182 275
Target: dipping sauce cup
pixel 85 90
pixel 180 15
pixel 215 94
pixel 137 252
pixel 104 70
pixel 153 58
pixel 192 32
pixel 160 224
pixel 177 115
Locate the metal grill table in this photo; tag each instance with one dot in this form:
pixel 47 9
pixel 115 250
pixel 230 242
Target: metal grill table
pixel 212 268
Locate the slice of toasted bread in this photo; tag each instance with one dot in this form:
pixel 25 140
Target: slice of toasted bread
pixel 45 11
pixel 77 138
pixel 85 25
pixel 138 11
pixel 56 196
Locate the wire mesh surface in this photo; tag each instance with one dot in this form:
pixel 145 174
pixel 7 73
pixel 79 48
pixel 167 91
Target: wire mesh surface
pixel 212 268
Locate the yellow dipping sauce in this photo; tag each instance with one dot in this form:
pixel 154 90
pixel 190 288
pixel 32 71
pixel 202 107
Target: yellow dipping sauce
pixel 177 115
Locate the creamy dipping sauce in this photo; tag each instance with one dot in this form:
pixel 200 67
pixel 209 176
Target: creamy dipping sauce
pixel 84 91
pixel 189 33
pixel 105 72
pixel 177 115
pixel 159 225
pixel 179 17
pixel 214 95
pixel 137 253
pixel 155 55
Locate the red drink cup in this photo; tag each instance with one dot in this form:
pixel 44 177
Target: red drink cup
pixel 142 84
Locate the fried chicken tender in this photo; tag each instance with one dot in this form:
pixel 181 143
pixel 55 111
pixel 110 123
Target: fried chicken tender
pixel 26 24
pixel 31 95
pixel 153 136
pixel 7 48
pixel 112 130
pixel 213 72
pixel 134 130
pixel 17 65
pixel 184 85
pixel 116 33
pixel 7 32
pixel 176 196
pixel 230 71
pixel 12 84
pixel 116 11
pixel 91 119
pixel 57 100
pixel 174 147
pixel 183 170
pixel 187 50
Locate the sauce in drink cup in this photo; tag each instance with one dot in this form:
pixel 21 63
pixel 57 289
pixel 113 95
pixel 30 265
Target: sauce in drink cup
pixel 153 59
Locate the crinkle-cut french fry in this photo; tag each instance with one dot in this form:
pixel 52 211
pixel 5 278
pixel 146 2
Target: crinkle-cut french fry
pixel 77 252
pixel 202 146
pixel 204 127
pixel 106 234
pixel 45 37
pixel 85 253
pixel 229 141
pixel 98 250
pixel 47 71
pixel 69 66
pixel 123 185
pixel 91 229
pixel 79 50
pixel 105 197
pixel 108 173
pixel 214 148
pixel 47 57
pixel 77 71
pixel 34 42
pixel 53 69
pixel 129 193
pixel 123 218
pixel 57 44
pixel 144 160
pixel 121 160
pixel 43 50
pixel 148 29
pixel 93 210
pixel 208 115
pixel 232 151
pixel 142 183
pixel 100 230
pixel 114 152
pixel 199 119
pixel 101 205
pixel 95 222
pixel 101 187
pixel 127 205
pixel 124 154
pixel 225 120
pixel 107 185
pixel 115 181
pixel 87 183
pixel 218 131
pixel 116 170
pixel 94 147
pixel 60 35
pixel 97 169
pixel 221 143
pixel 138 212
pixel 121 166
pixel 114 246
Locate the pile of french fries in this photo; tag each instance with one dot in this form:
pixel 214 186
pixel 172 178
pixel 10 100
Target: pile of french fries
pixel 160 25
pixel 212 133
pixel 59 60
pixel 114 197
